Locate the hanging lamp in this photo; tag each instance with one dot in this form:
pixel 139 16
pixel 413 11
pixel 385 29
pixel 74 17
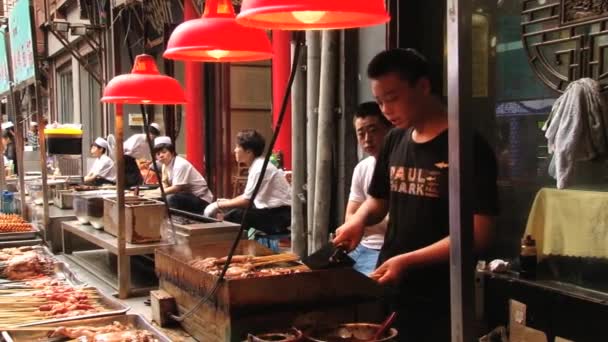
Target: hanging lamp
pixel 216 37
pixel 312 14
pixel 144 85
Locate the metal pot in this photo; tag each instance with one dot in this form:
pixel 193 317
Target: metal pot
pixel 292 335
pixel 352 332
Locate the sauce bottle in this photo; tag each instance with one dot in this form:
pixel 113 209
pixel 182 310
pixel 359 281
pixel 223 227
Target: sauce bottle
pixel 527 257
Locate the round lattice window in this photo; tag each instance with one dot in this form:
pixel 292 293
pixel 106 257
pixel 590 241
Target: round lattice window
pixel 566 40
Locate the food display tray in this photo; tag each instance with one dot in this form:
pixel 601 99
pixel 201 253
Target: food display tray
pixel 20 235
pixel 113 306
pixel 136 320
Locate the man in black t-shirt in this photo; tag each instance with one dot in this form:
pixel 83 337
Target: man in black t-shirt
pixel 410 183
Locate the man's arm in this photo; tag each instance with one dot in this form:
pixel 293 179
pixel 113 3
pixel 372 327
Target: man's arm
pixel 351 209
pixel 173 189
pixel 372 211
pixel 396 267
pixel 237 202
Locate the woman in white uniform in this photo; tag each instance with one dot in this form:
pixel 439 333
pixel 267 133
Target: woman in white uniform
pixel 102 171
pixel 271 212
pixel 136 147
pixel 186 188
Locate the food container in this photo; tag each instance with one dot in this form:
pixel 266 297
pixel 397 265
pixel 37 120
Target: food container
pixel 64 199
pixel 63 140
pixel 143 219
pixel 36 193
pixel 352 332
pixel 34 189
pixel 88 207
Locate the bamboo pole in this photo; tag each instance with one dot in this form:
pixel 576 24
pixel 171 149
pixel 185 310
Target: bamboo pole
pixel 299 231
pixel 313 60
pixel 325 140
pixel 43 170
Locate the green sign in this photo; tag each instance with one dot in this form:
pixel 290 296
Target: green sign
pixel 4 80
pixel 22 44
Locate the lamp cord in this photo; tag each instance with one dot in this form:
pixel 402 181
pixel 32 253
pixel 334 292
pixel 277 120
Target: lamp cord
pixel 299 40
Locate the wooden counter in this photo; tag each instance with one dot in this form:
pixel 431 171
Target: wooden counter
pixel 110 243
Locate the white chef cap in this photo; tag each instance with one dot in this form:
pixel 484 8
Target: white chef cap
pixel 101 142
pixel 164 140
pixel 6 125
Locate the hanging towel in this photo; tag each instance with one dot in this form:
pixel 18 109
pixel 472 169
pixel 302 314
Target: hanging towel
pixel 576 129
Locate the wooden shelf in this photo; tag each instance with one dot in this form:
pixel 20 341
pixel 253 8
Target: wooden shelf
pixel 109 242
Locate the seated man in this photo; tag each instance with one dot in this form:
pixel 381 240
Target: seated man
pixel 186 188
pixel 371 126
pixel 271 212
pixel 103 170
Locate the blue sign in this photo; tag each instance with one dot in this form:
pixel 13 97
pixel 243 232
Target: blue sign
pixel 4 79
pixel 22 44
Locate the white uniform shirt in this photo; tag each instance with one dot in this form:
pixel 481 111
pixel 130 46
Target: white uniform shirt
pixel 274 192
pixel 137 147
pixel 373 236
pixel 181 172
pixel 104 168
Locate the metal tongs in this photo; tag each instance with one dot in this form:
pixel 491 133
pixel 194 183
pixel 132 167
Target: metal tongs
pixel 328 256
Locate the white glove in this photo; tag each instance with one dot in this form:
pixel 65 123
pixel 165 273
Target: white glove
pixel 211 210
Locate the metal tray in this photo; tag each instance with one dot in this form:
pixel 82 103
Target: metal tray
pixel 20 235
pixel 61 270
pixel 114 307
pixel 20 243
pixel 136 320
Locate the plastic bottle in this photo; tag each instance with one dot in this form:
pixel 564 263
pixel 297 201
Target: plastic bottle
pixel 8 204
pixel 527 257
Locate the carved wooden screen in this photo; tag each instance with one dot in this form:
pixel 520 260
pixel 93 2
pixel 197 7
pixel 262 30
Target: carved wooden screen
pixel 566 40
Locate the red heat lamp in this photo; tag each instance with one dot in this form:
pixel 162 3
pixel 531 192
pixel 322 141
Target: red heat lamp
pixel 216 37
pixel 144 85
pixel 312 14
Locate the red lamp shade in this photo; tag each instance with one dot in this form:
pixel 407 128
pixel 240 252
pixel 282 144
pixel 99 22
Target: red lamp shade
pixel 144 85
pixel 312 14
pixel 216 37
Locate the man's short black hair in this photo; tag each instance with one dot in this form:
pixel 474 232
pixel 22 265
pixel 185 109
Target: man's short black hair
pixel 251 140
pixel 168 147
pixel 371 109
pixel 409 64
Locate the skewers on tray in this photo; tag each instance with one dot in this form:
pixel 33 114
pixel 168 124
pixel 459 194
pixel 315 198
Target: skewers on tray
pixel 13 223
pixel 49 303
pixel 111 332
pixel 110 328
pixel 249 266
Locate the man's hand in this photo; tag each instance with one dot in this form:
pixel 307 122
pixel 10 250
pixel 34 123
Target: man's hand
pixel 392 270
pixel 211 210
pixel 349 235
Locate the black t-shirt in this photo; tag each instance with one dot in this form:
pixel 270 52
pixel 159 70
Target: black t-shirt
pixel 413 177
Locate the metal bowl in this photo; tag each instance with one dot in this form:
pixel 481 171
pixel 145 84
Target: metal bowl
pixel 292 335
pixel 352 332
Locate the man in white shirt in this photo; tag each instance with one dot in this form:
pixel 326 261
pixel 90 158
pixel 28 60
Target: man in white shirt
pixel 136 147
pixel 371 127
pixel 102 171
pixel 186 188
pixel 271 212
